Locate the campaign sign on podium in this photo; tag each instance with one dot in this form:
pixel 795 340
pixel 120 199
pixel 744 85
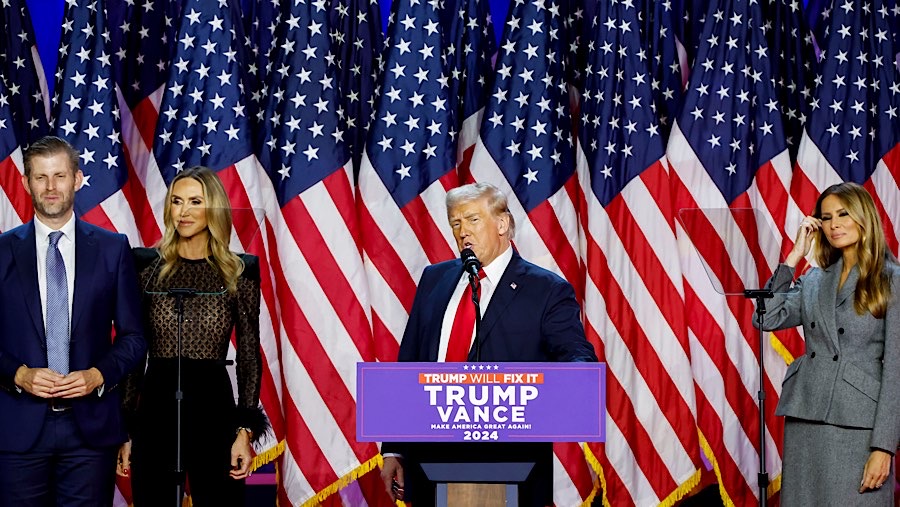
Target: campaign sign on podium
pixel 491 402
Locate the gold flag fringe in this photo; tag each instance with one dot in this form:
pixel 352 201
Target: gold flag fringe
pixel 780 349
pixel 590 499
pixel 258 461
pixel 277 483
pixel 598 469
pixel 680 492
pixel 267 457
pixel 774 484
pixel 707 450
pixel 345 481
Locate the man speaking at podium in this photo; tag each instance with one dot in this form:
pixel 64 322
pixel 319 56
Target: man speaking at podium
pixel 529 314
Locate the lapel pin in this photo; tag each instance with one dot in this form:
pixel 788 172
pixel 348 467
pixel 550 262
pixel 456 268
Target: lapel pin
pixel 513 285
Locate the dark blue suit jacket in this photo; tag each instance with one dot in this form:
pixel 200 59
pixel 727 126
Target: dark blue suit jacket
pixel 105 296
pixel 533 316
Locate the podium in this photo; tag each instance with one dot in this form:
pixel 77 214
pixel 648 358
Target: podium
pixel 493 484
pixel 482 429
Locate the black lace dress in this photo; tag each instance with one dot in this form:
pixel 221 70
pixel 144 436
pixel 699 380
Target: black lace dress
pixel 209 417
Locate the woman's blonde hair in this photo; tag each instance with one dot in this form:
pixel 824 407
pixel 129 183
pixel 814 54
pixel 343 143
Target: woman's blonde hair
pixel 873 290
pixel 218 221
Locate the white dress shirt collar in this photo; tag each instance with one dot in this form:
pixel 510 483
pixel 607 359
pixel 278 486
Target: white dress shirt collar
pixel 497 267
pixel 43 231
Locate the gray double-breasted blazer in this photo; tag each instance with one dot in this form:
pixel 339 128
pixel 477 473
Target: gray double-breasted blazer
pixel 850 373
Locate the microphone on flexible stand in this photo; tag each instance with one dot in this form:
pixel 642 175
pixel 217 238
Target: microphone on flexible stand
pixel 471 264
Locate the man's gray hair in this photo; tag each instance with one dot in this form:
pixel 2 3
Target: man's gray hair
pixel 495 198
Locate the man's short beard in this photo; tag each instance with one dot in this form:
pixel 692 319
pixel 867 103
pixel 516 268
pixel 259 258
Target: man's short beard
pixel 65 204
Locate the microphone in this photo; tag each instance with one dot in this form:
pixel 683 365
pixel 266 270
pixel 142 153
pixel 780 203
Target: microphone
pixel 471 264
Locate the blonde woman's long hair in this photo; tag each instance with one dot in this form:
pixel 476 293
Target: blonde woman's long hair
pixel 218 220
pixel 873 290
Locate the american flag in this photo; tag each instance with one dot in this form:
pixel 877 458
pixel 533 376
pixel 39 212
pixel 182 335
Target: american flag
pixel 8 141
pixel 320 280
pixel 141 41
pixel 262 19
pixel 667 59
pixel 469 51
pixel 15 204
pixel 526 146
pixel 24 109
pixel 202 106
pixel 86 114
pixel 853 130
pixel 118 199
pixel 23 74
pixel 728 150
pixel 579 17
pixel 815 12
pixel 633 300
pixel 407 168
pixel 895 28
pixel 202 121
pixel 691 28
pixel 794 64
pixel 526 149
pixel 818 14
pixel 358 41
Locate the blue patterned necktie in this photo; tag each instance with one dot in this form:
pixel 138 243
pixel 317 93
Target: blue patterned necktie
pixel 57 308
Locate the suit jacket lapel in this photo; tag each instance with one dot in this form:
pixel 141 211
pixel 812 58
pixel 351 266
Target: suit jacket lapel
pixel 442 293
pixel 26 262
pixel 848 289
pixel 843 296
pixel 85 260
pixel 504 293
pixel 826 300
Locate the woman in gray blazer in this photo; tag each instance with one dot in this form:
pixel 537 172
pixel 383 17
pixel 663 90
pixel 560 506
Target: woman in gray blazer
pixel 841 399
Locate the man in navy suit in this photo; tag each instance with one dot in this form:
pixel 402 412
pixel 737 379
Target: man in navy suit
pixel 64 286
pixel 530 314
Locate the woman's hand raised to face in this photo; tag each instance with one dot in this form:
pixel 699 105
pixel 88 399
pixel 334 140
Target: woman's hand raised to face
pixel 804 239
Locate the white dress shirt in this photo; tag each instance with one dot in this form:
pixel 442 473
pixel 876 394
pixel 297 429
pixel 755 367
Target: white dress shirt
pixel 66 247
pixel 493 272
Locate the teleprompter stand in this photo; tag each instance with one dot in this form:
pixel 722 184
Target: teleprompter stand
pixel 180 294
pixel 762 478
pixel 739 252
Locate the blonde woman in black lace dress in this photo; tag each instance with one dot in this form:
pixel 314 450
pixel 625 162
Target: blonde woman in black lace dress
pixel 216 432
